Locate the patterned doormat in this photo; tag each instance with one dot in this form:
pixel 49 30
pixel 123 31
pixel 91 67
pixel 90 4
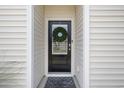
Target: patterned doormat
pixel 60 82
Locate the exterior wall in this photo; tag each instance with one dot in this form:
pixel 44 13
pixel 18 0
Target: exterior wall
pixel 38 21
pixel 79 45
pixel 107 46
pixel 13 42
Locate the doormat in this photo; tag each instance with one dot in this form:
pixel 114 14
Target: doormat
pixel 60 82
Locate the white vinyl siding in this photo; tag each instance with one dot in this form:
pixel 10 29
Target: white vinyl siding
pixel 107 46
pixel 39 44
pixel 79 45
pixel 13 44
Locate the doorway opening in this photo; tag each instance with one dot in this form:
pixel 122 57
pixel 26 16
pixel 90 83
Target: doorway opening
pixel 59 50
pixel 58 53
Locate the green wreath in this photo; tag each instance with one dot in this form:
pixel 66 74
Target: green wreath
pixel 59 34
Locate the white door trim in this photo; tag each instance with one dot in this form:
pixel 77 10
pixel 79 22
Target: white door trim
pixel 46 44
pixel 86 46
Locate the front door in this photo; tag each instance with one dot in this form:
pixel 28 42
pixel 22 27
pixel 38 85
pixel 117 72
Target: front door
pixel 59 49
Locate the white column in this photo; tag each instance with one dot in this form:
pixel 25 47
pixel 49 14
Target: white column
pixel 85 46
pixel 29 45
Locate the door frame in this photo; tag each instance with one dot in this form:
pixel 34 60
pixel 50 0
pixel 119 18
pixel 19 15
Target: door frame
pixel 46 44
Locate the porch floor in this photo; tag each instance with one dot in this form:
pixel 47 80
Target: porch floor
pixel 60 82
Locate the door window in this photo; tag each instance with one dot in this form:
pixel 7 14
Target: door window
pixel 59 39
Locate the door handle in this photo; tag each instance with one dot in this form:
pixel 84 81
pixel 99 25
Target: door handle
pixel 69 47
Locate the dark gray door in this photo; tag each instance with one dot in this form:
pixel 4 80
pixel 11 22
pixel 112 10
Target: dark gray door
pixel 59 46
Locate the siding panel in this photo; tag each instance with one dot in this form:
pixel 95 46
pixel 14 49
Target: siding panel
pixel 107 46
pixel 79 45
pixel 13 46
pixel 39 43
